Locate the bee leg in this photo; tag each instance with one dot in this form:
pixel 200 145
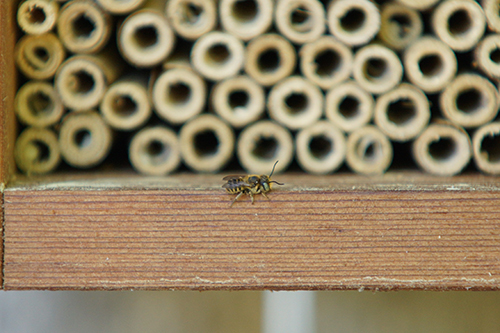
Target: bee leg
pixel 237 197
pixel 265 196
pixel 251 196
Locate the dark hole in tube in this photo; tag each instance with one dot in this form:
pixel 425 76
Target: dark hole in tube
pixel 43 151
pixel 403 24
pixel 490 147
pixel 495 56
pixel 124 105
pixel 375 68
pixel 42 53
pixel 269 60
pixel 401 111
pixel 192 13
pixel 39 103
pixel 238 98
pixel 296 103
pixel 353 20
pixel 146 36
pixel 327 62
pixel 266 147
pixel 218 54
pixel 430 65
pixel 81 82
pixel 83 26
pixel 206 143
pixel 442 149
pixel 179 93
pixel 469 101
pixel 459 22
pixel 83 138
pixel 349 107
pixel 320 146
pixel 36 15
pixel 245 10
pixel 157 151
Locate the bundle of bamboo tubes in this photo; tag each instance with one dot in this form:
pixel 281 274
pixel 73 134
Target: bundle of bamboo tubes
pixel 207 82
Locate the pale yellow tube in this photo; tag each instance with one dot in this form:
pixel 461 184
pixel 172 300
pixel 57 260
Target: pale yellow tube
pixel 246 19
pixel 120 7
pixel 400 25
pixel 487 56
pixel 37 151
pixel 192 19
pixel 37 17
pixel 38 104
pixel 300 21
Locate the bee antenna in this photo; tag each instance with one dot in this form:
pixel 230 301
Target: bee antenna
pixel 272 171
pixel 273 181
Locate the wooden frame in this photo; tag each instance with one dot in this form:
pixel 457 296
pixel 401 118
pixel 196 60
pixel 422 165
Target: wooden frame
pixel 403 230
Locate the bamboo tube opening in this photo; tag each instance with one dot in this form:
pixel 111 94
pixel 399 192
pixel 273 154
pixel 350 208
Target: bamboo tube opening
pixel 37 104
pixel 295 102
pixel 192 18
pixel 155 151
pixel 429 64
pixel 377 69
pixel 218 55
pixel 246 19
pixel 120 7
pixel 348 106
pixel 261 144
pixel 178 95
pixel 490 8
pixel 37 151
pixel 85 139
pixel 320 148
pixel 486 146
pixel 81 82
pixel 442 149
pixel 487 55
pixel 459 23
pixel 419 5
pixel 353 22
pixel 207 143
pixel 369 151
pixel 402 113
pixel 126 105
pixel 239 100
pixel 270 58
pixel 37 16
pixel 326 62
pixel 400 25
pixel 470 101
pixel 145 39
pixel 83 27
pixel 300 21
pixel 39 56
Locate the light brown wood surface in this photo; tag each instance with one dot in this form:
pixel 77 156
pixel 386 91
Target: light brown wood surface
pixel 399 231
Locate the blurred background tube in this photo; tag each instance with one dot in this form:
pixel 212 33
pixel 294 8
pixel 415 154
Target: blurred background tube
pixel 38 104
pixel 37 17
pixel 400 25
pixel 246 19
pixel 301 21
pixel 37 151
pixel 120 7
pixel 486 148
pixel 192 19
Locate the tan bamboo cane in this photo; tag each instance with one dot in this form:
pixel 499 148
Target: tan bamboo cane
pixel 400 25
pixel 353 22
pixel 490 8
pixel 442 149
pixel 320 148
pixel 85 139
pixel 419 5
pixel 295 102
pixel 120 7
pixel 192 19
pixel 369 151
pixel 38 104
pixel 486 144
pixel 300 21
pixel 349 106
pixel 37 17
pixel 261 144
pixel 83 26
pixel 238 100
pixel 155 151
pixel 37 151
pixel 487 56
pixel 39 56
pixel 459 23
pixel 470 100
pixel 207 143
pixel 246 19
pixel 269 59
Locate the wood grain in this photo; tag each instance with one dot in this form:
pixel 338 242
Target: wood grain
pixel 370 237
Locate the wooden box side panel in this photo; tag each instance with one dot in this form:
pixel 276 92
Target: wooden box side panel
pixel 188 239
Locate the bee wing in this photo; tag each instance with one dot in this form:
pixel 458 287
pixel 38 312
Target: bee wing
pixel 237 181
pixel 233 177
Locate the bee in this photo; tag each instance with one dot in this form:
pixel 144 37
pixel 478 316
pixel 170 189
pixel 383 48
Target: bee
pixel 249 185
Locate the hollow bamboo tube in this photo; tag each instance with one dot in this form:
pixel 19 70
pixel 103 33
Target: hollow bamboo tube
pixel 353 22
pixel 295 103
pixel 206 143
pixel 192 19
pixel 400 25
pixel 126 105
pixel 490 8
pixel 178 95
pixel 37 151
pixel 145 39
pixel 39 56
pixel 368 151
pixel 85 139
pixel 419 5
pixel 120 7
pixel 300 21
pixel 261 144
pixel 83 26
pixel 246 19
pixel 486 144
pixel 487 56
pixel 402 113
pixel 429 64
pixel 442 149
pixel 269 59
pixel 326 61
pixel 38 104
pixel 37 17
pixel 459 23
pixel 218 55
pixel 82 80
pixel 348 106
pixel 155 151
pixel 377 69
pixel 470 100
pixel 320 148
pixel 238 100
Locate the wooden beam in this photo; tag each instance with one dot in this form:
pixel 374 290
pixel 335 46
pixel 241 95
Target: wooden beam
pixel 398 231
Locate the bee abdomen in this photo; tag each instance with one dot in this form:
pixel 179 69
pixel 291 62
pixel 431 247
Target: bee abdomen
pixel 234 189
